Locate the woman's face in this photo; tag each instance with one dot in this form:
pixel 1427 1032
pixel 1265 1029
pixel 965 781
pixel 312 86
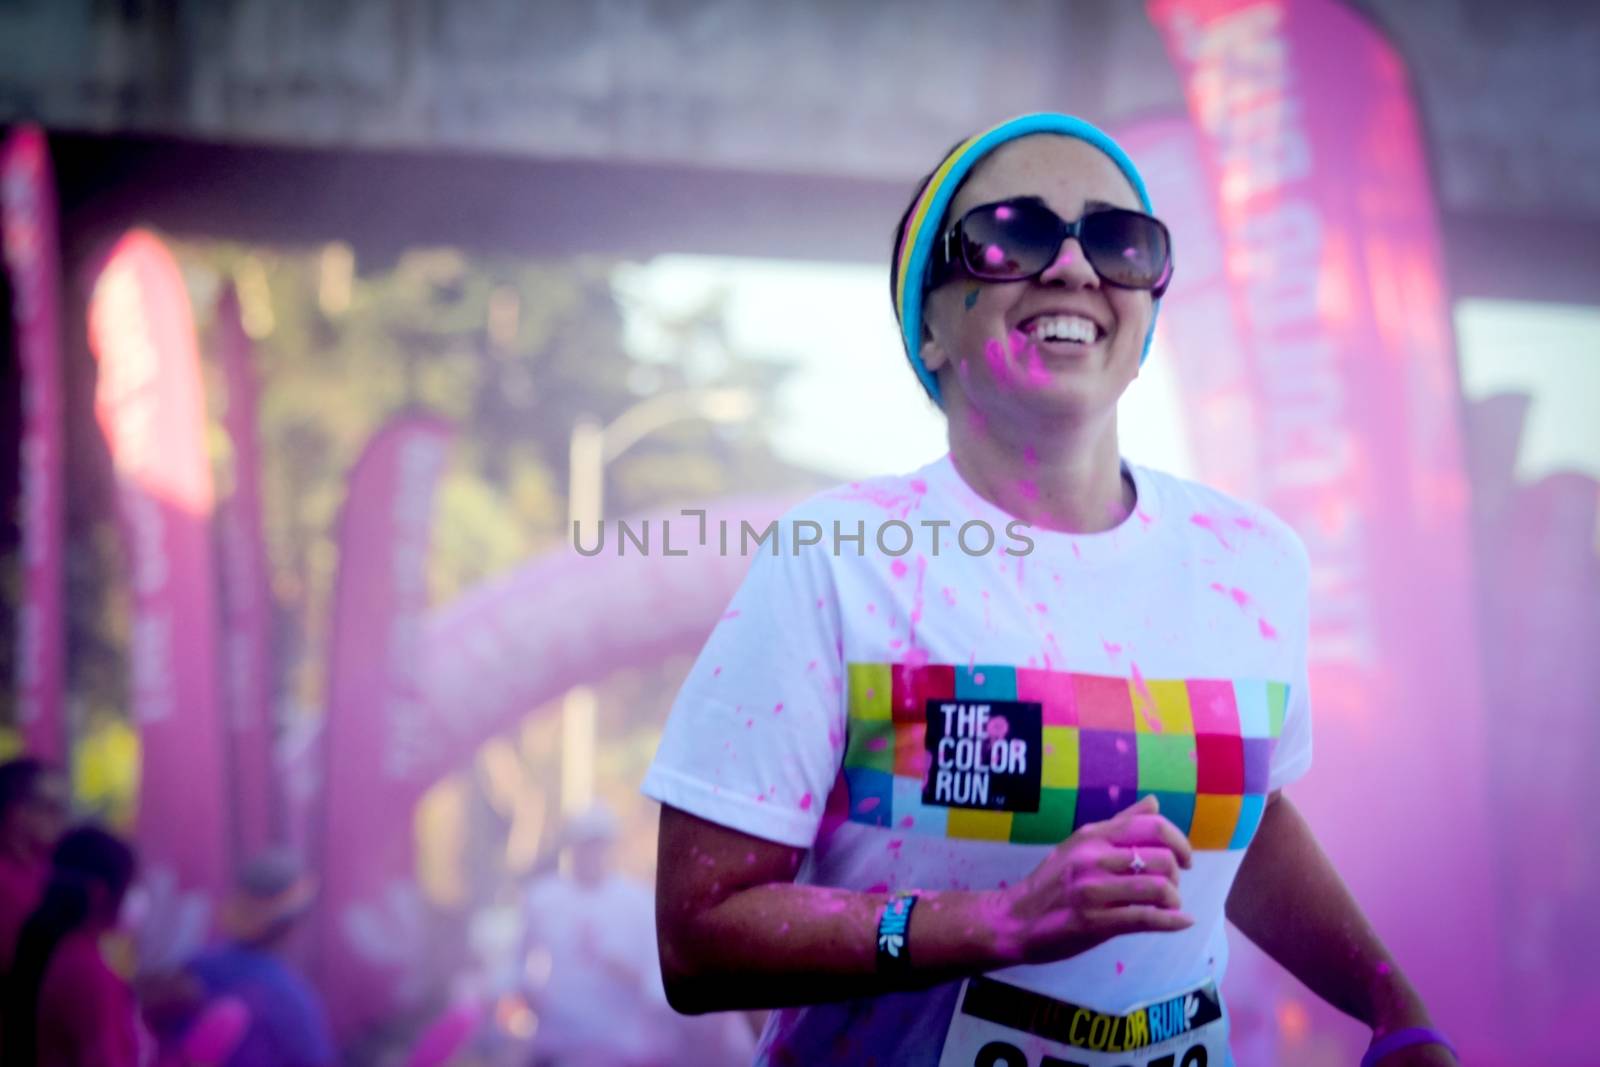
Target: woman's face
pixel 985 339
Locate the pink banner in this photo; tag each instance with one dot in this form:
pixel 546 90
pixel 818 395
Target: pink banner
pixel 246 596
pixel 28 220
pixel 371 914
pixel 1313 157
pixel 150 406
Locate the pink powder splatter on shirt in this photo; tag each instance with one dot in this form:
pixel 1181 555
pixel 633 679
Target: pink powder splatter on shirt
pixel 820 602
pixel 895 643
pixel 998 727
pixel 898 568
pixel 730 615
pixel 777 709
pixel 1267 630
pixel 868 804
pixel 872 609
pixel 877 744
pixel 949 596
pixel 1206 522
pixel 977 679
pixel 878 887
pixel 1041 607
pixel 871 692
pixel 1028 488
pixel 716 671
pixel 1114 792
pixel 1120 967
pixel 894 846
pixel 1111 649
pixel 805 802
pixel 1122 744
pixel 1038 376
pixel 811 666
pixel 749 723
pixel 908 821
pixel 1240 597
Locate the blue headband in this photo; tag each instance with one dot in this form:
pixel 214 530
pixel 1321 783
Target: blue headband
pixel 922 224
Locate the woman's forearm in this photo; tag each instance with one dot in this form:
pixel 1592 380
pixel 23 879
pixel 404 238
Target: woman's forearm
pixel 781 945
pixel 1290 902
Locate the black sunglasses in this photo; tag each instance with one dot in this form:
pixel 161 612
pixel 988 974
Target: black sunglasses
pixel 1014 240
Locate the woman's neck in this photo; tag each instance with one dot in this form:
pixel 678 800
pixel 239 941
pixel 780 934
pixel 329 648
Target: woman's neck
pixel 1067 479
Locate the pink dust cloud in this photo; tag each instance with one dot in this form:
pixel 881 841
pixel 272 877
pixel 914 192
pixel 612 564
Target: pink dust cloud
pixel 1206 522
pixel 1267 630
pixel 898 568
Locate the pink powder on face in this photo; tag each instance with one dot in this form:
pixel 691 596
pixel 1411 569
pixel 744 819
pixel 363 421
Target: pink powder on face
pixel 1267 630
pixel 805 802
pixel 995 356
pixel 1038 375
pixel 964 373
pixel 1029 489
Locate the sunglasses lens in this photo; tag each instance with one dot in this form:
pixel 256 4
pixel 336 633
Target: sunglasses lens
pixel 1126 248
pixel 1010 241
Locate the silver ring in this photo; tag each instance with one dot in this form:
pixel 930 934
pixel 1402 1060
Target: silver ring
pixel 1137 866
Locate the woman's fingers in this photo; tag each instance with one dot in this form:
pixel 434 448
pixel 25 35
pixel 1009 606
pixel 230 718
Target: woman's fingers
pixel 1150 859
pixel 1152 831
pixel 1137 919
pixel 1131 889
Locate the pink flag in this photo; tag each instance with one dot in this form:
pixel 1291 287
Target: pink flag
pixel 28 219
pixel 150 406
pixel 1329 243
pixel 246 597
pixel 373 924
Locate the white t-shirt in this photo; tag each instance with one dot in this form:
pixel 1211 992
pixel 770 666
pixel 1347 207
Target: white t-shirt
pixel 939 721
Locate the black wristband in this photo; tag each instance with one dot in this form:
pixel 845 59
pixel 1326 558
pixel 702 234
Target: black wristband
pixel 894 927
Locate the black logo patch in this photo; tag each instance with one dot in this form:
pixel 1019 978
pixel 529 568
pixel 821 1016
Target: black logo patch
pixel 984 754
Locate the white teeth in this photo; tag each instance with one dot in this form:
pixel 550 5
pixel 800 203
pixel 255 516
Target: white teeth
pixel 1064 328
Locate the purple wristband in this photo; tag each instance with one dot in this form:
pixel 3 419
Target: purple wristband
pixel 1417 1035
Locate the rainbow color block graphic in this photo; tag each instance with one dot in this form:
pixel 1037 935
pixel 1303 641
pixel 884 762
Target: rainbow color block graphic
pixel 1203 747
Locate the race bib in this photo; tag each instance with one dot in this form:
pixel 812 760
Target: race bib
pixel 1002 1025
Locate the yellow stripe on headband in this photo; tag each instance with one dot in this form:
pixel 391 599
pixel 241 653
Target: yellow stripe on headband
pixel 929 194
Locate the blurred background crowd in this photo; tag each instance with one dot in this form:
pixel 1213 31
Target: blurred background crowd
pixel 325 321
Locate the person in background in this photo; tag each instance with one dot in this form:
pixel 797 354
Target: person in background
pixel 64 1004
pixel 33 814
pixel 288 1026
pixel 603 1001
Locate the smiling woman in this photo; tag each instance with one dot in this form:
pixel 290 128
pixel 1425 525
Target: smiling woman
pixel 1042 749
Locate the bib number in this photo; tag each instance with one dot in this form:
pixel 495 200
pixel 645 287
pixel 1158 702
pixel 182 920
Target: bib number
pixel 1001 1025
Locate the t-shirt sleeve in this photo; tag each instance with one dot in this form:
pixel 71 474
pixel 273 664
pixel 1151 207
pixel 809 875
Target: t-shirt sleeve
pixel 1291 758
pixel 756 735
